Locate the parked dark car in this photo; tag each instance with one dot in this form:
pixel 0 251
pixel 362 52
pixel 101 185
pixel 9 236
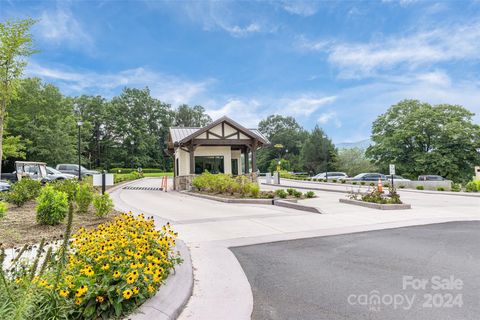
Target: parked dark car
pixel 430 177
pixel 368 177
pixel 73 169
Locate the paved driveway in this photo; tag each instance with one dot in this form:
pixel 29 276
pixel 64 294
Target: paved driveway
pixel 335 277
pixel 209 228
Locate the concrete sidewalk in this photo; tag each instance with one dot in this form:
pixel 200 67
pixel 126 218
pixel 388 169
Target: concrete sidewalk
pixel 209 228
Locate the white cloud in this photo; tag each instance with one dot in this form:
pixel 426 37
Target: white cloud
pixel 243 32
pixel 359 106
pixel 247 112
pixel 301 7
pixel 329 117
pixel 305 105
pixel 167 88
pixel 458 42
pixel 226 16
pixel 60 27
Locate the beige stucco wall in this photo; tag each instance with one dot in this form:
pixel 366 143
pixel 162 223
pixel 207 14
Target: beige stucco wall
pixel 225 151
pixel 237 154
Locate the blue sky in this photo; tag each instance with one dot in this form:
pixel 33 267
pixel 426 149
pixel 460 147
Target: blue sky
pixel 336 64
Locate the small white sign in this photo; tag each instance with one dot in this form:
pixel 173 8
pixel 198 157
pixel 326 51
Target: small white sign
pixel 392 169
pixel 97 179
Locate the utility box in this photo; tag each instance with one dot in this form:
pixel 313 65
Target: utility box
pixel 477 172
pixel 268 178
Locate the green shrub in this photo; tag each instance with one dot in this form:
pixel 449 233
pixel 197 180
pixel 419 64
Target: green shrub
pixel 471 186
pixel 23 191
pixel 456 187
pixel 255 190
pixel 343 181
pixel 103 204
pixel 69 186
pixel 3 209
pixel 401 186
pixel 334 180
pixel 281 193
pixel 420 188
pixel 440 189
pixel 354 182
pixel 84 197
pixel 362 183
pixel 52 206
pixel 310 194
pixel 122 177
pixel 297 194
pixel 315 179
pixel 372 184
pixel 291 191
pixel 377 197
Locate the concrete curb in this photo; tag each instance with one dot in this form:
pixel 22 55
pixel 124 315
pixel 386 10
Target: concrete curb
pixel 291 204
pixel 378 206
pixel 172 297
pixel 228 200
pixel 296 206
pixel 283 186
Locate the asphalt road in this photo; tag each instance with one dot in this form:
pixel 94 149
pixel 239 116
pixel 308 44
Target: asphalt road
pixel 342 277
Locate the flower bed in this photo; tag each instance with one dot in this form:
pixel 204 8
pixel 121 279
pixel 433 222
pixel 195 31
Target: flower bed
pixel 375 196
pixel 106 272
pixel 225 185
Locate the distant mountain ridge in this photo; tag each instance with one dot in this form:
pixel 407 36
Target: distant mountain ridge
pixel 363 144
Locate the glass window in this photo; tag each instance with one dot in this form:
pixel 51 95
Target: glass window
pixel 212 164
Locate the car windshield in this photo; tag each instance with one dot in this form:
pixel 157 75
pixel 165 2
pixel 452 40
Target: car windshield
pixel 358 176
pixel 50 170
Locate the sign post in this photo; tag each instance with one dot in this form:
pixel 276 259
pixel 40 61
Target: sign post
pixel 392 172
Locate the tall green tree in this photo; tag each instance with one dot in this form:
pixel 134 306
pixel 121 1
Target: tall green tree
pixel 423 139
pixel 93 112
pixel 15 45
pixel 353 161
pixel 138 124
pixel 45 120
pixel 284 131
pixel 185 116
pixel 318 152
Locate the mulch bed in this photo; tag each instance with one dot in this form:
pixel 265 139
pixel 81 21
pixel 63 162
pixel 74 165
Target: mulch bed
pixel 19 226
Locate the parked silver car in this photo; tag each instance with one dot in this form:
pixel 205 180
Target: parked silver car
pixel 73 169
pixel 54 174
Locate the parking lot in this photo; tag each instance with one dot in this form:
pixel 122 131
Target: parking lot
pixel 338 277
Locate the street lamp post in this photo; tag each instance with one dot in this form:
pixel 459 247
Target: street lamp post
pixel 79 124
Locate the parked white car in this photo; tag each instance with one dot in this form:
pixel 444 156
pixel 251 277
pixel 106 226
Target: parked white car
pixel 331 175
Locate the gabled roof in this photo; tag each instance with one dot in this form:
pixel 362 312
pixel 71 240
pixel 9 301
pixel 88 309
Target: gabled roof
pixel 184 134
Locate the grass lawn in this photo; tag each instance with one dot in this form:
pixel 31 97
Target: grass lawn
pixel 158 174
pixel 19 226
